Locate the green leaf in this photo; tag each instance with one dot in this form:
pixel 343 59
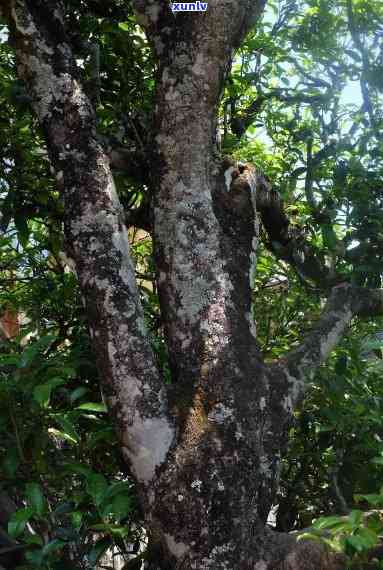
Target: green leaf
pixel 367 537
pixel 373 499
pixel 53 546
pixel 101 527
pixel 374 523
pixel 309 536
pixel 36 557
pixel 121 506
pixel 355 542
pixel 92 407
pixel 67 371
pixel 35 498
pixel 118 488
pixel 77 518
pixel 355 517
pixel 11 461
pixel 104 434
pixel 62 435
pixel 18 520
pixel 68 428
pixel 97 487
pixel 118 530
pixel 327 522
pixel 33 539
pixel 30 352
pixel 64 508
pixel 79 468
pixel 66 533
pixel 377 460
pixel 329 237
pixel 373 344
pixel 42 392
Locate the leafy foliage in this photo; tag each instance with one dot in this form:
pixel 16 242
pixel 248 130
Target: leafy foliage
pixel 303 102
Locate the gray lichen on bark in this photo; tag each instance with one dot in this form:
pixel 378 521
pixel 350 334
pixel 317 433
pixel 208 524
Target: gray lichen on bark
pixel 205 452
pixel 97 238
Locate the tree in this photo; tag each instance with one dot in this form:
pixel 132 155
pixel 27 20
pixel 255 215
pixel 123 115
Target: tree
pixel 205 450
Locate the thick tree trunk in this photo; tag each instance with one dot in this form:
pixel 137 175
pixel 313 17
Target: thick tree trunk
pixel 206 453
pixel 211 499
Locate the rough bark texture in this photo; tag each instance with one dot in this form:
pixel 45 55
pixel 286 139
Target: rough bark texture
pixel 206 453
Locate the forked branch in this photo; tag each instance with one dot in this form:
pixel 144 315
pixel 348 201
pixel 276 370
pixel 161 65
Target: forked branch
pixel 344 303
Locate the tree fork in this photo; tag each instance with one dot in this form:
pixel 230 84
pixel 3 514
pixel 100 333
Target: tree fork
pixel 205 454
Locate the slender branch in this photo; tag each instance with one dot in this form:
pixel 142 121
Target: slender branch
pixel 325 152
pixel 240 122
pixel 95 73
pixel 309 176
pixel 316 81
pixel 313 161
pixel 334 481
pixel 131 162
pixel 344 303
pixel 368 108
pixel 286 244
pixel 17 435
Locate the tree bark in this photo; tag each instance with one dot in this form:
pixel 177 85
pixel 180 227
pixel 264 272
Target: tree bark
pixel 206 452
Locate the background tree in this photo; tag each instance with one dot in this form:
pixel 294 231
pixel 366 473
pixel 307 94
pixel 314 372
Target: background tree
pixel 202 413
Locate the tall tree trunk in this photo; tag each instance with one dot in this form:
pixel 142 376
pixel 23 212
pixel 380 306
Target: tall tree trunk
pixel 213 496
pixel 206 452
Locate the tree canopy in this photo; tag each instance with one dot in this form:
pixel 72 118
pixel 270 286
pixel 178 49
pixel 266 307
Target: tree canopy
pixel 303 104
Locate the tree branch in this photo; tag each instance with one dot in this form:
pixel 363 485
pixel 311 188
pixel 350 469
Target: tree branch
pixel 367 105
pixel 240 122
pixel 162 25
pixel 131 162
pixel 95 233
pixel 288 246
pixel 344 303
pixel 309 176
